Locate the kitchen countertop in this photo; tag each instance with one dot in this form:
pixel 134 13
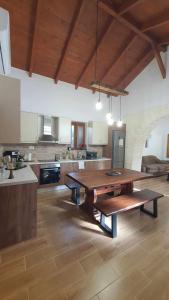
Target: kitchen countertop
pixel 37 162
pixel 26 175
pixel 21 176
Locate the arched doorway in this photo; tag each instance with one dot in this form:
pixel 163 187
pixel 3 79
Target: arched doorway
pixel 139 126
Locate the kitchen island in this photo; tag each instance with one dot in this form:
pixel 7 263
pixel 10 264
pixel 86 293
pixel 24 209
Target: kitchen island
pixel 18 207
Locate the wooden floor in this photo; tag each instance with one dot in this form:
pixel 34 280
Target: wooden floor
pixel 71 258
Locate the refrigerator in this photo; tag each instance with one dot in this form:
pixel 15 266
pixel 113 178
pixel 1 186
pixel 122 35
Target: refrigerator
pixel 118 148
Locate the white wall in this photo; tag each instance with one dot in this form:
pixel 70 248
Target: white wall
pixel 146 104
pixel 149 89
pixel 157 140
pixel 40 94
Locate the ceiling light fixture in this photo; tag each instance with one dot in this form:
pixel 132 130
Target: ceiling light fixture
pixel 107 89
pixel 109 114
pixel 109 117
pixel 99 104
pixel 119 122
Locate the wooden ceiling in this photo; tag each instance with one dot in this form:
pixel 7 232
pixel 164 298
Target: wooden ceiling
pixel 57 38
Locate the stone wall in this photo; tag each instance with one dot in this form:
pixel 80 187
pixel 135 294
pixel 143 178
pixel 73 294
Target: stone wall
pixel 138 127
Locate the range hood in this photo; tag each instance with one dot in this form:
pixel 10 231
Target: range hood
pixel 47 130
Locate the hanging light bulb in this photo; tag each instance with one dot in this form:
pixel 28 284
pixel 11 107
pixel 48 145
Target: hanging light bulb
pixel 99 104
pixel 108 116
pixel 119 122
pixel 110 121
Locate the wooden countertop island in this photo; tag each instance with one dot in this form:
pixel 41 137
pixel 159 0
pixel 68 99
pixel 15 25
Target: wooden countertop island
pixel 18 207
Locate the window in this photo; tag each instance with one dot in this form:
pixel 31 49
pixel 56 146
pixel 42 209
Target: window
pixel 78 135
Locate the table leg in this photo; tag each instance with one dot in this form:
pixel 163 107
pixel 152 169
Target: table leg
pixel 127 188
pixel 90 198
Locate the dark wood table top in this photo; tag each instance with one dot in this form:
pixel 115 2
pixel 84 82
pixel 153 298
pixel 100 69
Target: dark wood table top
pixel 98 178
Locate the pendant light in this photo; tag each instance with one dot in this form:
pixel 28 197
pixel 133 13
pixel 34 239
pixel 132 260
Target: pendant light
pixel 119 122
pixel 99 103
pixel 109 114
pixel 109 117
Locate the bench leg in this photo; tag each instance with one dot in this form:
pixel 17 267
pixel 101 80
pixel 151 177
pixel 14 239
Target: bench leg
pixel 76 196
pixel 153 214
pixel 114 225
pixel 113 229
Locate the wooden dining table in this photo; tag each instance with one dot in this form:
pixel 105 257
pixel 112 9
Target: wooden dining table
pixel 99 182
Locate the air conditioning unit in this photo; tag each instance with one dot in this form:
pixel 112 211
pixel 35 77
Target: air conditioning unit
pixel 5 49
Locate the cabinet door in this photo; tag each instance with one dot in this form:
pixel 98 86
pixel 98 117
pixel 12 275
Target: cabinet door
pixel 36 170
pixel 9 110
pixel 64 131
pixel 29 127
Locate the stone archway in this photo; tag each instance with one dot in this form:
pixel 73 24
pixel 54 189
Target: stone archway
pixel 138 127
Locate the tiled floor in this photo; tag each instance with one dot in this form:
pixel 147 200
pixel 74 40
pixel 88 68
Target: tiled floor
pixel 71 258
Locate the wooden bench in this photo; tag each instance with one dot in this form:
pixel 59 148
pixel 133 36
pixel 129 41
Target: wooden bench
pixel 75 188
pixel 113 206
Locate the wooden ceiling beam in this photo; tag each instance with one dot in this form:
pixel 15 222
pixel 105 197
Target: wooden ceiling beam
pixel 73 26
pixel 122 10
pixel 156 22
pixel 111 11
pixel 164 41
pixel 34 38
pixel 159 61
pixel 136 70
pixel 122 53
pixel 128 5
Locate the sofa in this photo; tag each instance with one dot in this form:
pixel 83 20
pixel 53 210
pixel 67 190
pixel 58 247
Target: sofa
pixel 153 165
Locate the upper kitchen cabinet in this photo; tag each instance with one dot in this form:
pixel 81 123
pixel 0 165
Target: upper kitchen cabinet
pixel 64 131
pixel 97 133
pixel 29 127
pixel 9 110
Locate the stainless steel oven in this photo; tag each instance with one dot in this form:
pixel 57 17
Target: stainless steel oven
pixel 49 173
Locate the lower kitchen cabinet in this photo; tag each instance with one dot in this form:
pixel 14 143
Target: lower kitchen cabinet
pixel 98 165
pixel 36 170
pixel 18 213
pixel 65 168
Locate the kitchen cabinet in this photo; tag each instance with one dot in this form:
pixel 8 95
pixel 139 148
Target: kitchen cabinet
pixel 9 110
pixel 98 165
pixel 97 133
pixel 29 127
pixel 18 213
pixel 36 170
pixel 64 131
pixel 65 168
